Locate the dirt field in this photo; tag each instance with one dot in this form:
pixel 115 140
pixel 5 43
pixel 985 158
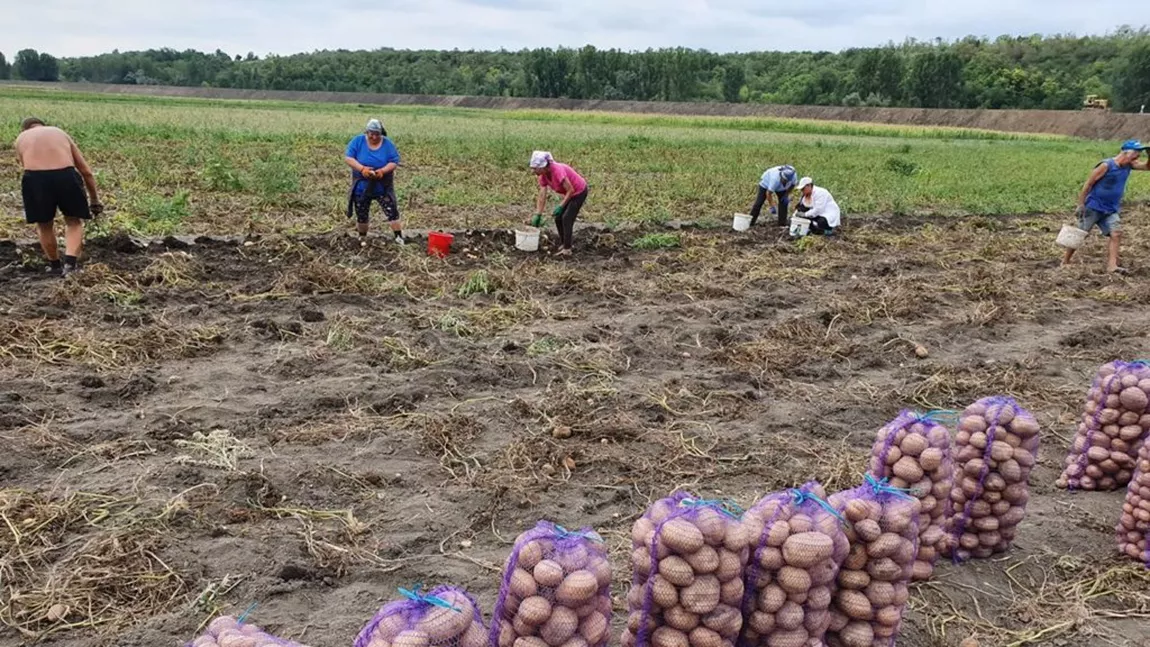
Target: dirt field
pixel 1086 124
pixel 307 425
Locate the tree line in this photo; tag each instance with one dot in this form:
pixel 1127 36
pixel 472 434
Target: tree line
pixel 1051 72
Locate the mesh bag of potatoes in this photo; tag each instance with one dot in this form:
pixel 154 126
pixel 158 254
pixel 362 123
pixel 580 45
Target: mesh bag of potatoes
pixel 798 544
pixel 444 617
pixel 1134 527
pixel 555 592
pixel 688 556
pixel 995 448
pixel 1114 424
pixel 913 453
pixel 874 580
pixel 227 631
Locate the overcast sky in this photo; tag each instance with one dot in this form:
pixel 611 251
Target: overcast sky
pixel 75 27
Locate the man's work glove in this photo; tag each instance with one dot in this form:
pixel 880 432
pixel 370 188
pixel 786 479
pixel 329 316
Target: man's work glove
pixel 774 211
pixel 537 220
pixel 557 211
pixel 96 208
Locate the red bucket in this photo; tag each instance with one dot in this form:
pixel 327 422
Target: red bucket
pixel 439 244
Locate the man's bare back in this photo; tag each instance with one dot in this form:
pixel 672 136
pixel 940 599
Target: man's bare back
pixel 45 148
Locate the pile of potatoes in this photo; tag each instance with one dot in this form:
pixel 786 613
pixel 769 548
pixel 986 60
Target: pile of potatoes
pixel 687 590
pixel 913 452
pixel 556 591
pixel 420 623
pixel 227 631
pixel 1134 527
pixel 797 547
pixel 995 448
pixel 1114 424
pixel 874 580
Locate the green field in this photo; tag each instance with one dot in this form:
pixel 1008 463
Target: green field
pixel 209 166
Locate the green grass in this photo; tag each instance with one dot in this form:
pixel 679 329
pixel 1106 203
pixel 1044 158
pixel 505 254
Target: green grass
pixel 656 241
pixel 277 166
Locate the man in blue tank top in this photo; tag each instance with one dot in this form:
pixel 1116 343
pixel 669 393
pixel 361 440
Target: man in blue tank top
pixel 1101 196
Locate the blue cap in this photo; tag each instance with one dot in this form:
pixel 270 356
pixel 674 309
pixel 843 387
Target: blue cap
pixel 1133 145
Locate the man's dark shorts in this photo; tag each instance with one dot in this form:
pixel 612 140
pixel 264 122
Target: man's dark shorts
pixel 46 191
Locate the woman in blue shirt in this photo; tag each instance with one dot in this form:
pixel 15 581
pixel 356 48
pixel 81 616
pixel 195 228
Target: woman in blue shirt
pixel 373 159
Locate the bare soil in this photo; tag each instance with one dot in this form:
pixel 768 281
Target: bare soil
pixel 1089 124
pixel 307 425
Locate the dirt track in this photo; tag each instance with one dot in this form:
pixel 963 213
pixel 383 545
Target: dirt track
pixel 1089 125
pixel 308 425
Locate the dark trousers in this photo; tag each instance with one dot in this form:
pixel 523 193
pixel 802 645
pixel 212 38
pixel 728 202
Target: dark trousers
pixel 819 224
pixel 784 199
pixel 565 221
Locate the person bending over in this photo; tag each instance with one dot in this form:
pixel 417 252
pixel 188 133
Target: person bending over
pixel 775 190
pixel 818 205
pixel 572 188
pixel 55 177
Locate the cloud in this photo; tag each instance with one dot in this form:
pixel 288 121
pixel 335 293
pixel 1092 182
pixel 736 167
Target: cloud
pixel 71 28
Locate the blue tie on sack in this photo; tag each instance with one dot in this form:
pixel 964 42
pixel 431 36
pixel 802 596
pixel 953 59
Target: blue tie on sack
pixel 416 596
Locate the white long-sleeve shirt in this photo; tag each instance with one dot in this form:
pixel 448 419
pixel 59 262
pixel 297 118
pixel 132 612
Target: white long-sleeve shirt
pixel 822 203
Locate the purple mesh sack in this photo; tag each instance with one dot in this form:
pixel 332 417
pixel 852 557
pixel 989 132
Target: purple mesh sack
pixel 555 592
pixel 995 448
pixel 913 452
pixel 227 631
pixel 1114 425
pixel 1133 528
pixel 687 590
pixel 874 580
pixel 445 617
pixel 798 544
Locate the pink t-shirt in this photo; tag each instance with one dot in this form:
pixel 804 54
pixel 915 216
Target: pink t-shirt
pixel 556 174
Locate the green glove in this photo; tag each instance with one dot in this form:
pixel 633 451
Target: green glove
pixel 537 220
pixel 558 210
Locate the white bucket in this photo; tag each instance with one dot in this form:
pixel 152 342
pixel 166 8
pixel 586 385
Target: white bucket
pixel 742 222
pixel 527 239
pixel 1071 237
pixel 800 226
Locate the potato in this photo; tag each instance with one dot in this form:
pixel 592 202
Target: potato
pixel 855 605
pixel 730 565
pixel 665 594
pixel 548 573
pixel 681 619
pixel 534 611
pixel 793 638
pixel 731 593
pixel 682 537
pixel 704 637
pixel 857 634
pixel 702 596
pixel 705 561
pixel 668 637
pixel 677 571
pixel 725 620
pixel 560 627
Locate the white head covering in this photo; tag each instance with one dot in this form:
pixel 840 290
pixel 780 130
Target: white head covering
pixel 374 126
pixel 540 159
pixel 806 181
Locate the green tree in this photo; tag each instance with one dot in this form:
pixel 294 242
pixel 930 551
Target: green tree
pixel 49 68
pixel 1132 79
pixel 5 68
pixel 934 79
pixel 734 78
pixel 27 65
pixel 879 72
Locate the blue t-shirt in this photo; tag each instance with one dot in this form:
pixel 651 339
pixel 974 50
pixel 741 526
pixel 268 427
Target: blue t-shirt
pixel 1106 194
pixel 386 154
pixel 778 179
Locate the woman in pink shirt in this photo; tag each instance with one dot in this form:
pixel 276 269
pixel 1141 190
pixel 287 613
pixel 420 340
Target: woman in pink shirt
pixel 563 180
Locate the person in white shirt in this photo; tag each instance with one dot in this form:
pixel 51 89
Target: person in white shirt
pixel 817 205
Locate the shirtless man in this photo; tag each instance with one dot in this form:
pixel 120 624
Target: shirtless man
pixel 53 169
